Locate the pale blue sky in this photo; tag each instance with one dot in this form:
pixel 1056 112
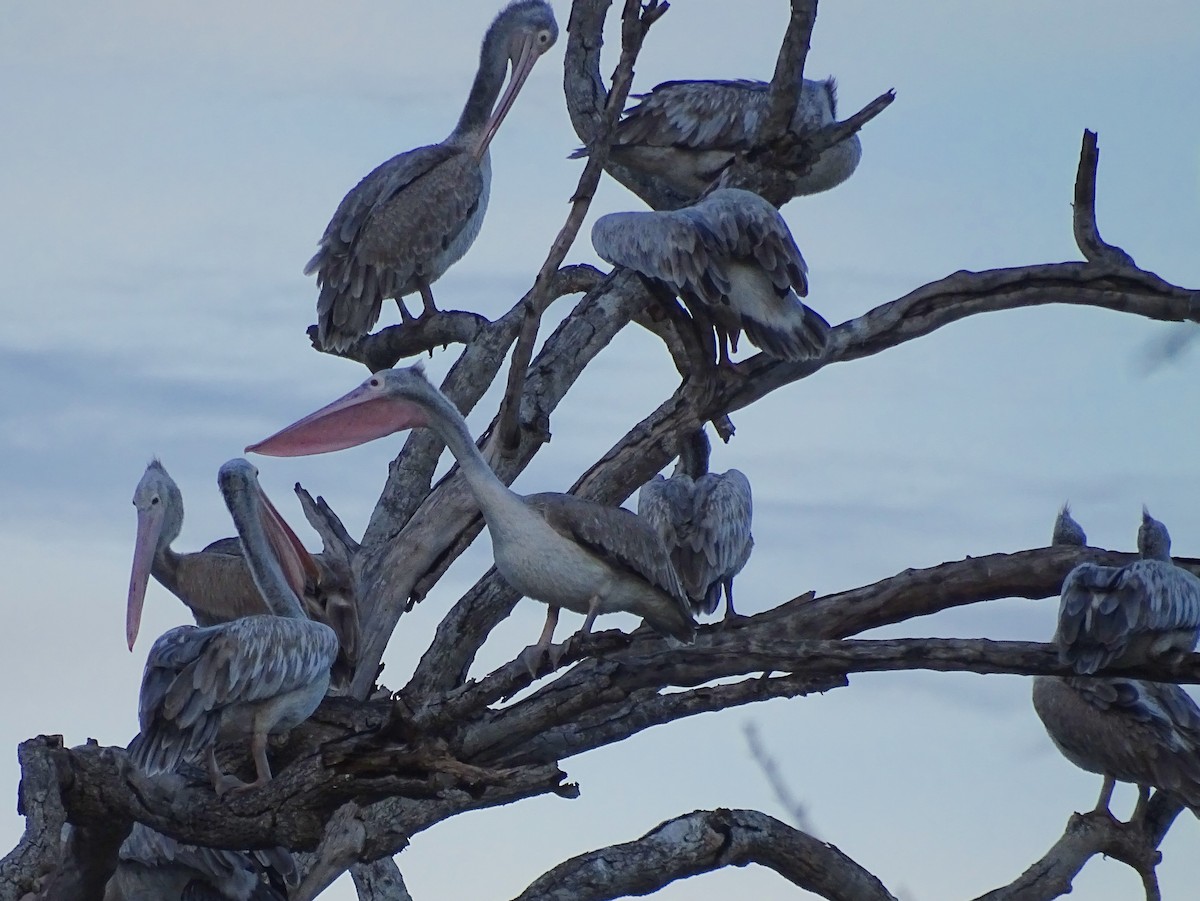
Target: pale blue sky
pixel 167 169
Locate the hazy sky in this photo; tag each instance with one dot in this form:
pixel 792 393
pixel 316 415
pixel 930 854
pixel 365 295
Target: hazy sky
pixel 167 168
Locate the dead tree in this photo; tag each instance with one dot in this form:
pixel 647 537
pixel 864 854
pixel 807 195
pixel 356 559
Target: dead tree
pixel 368 772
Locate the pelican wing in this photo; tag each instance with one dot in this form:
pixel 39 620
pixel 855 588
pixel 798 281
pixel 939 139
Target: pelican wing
pixel 220 874
pixel 721 529
pixel 193 674
pixel 401 215
pixel 1103 609
pixel 617 536
pixel 666 505
pixel 691 249
pixel 717 114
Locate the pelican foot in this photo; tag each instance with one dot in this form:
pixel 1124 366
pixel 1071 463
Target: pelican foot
pixel 732 619
pixel 532 657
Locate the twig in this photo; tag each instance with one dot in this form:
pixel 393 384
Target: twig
pixel 1087 234
pixel 779 786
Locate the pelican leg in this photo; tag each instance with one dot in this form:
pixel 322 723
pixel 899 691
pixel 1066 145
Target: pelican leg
pixel 221 782
pixel 1143 802
pixel 730 614
pixel 427 299
pixel 405 316
pixel 1106 791
pixel 532 655
pixel 262 768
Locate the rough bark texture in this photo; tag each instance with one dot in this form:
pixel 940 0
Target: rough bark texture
pixel 368 772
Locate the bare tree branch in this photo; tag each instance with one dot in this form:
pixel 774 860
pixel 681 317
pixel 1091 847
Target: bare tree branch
pixel 789 72
pixel 1087 235
pixel 770 769
pixel 700 842
pixel 636 21
pixel 1087 835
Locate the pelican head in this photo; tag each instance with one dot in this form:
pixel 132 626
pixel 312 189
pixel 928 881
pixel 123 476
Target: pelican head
pixel 526 29
pixel 1154 541
pixel 389 401
pixel 159 505
pixel 266 537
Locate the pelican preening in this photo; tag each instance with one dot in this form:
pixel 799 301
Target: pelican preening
pixel 154 867
pixel 215 583
pixel 733 262
pixel 686 132
pixel 1127 730
pixel 1126 614
pixel 556 548
pixel 248 677
pixel 411 218
pixel 703 519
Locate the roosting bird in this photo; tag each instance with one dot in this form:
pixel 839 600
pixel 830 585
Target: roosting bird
pixel 556 548
pixel 704 520
pixel 246 678
pixel 413 217
pixel 1126 730
pixel 732 261
pixel 215 583
pixel 154 867
pixel 1128 614
pixel 1067 532
pixel 686 132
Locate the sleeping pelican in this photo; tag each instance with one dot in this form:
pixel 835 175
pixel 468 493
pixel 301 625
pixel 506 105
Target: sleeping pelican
pixel 556 548
pixel 1067 532
pixel 1126 730
pixel 249 677
pixel 215 583
pixel 1125 615
pixel 733 262
pixel 415 216
pixel 686 132
pixel 704 520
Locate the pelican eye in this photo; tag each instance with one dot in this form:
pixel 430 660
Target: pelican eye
pixel 374 383
pixel 543 37
pixel 153 500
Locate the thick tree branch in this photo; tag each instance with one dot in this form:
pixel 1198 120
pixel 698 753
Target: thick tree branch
pixel 700 842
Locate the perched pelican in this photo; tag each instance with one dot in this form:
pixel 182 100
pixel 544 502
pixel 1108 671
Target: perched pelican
pixel 687 132
pixel 1127 730
pixel 704 520
pixel 732 261
pixel 215 583
pixel 249 677
pixel 1128 614
pixel 1067 531
pixel 154 867
pixel 413 217
pixel 556 548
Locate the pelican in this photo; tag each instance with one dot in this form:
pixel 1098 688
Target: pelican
pixel 1125 615
pixel 556 548
pixel 1067 532
pixel 732 260
pixel 252 676
pixel 154 867
pixel 215 583
pixel 413 217
pixel 1126 730
pixel 687 132
pixel 704 520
